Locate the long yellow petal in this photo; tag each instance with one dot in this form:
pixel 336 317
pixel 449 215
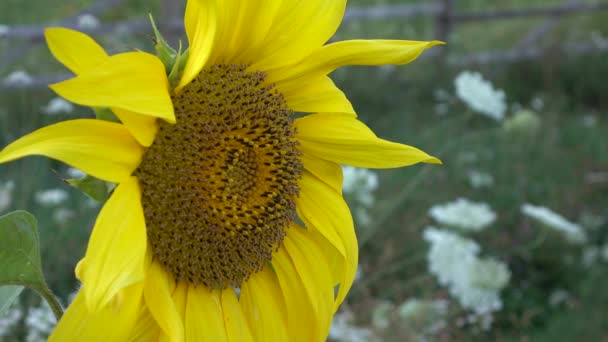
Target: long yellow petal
pixel 102 149
pixel 343 139
pixel 158 290
pixel 307 287
pixel 115 322
pixel 201 25
pixel 314 94
pixel 142 127
pixel 234 318
pixel 300 27
pixel 327 171
pixel 330 219
pixel 117 248
pixel 355 52
pixel 204 317
pixel 264 306
pixel 76 50
pixel 133 81
pixel 145 328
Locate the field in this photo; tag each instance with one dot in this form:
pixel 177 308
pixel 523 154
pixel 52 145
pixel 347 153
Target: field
pixel 554 155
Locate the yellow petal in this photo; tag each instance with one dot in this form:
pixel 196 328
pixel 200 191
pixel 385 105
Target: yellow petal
pixel 299 28
pixel 307 286
pixel 117 248
pixel 327 171
pixel 142 127
pixel 201 25
pixel 145 329
pixel 158 290
pixel 102 149
pixel 204 317
pixel 115 322
pixel 264 306
pixel 355 52
pixel 234 319
pixel 343 139
pixel 133 81
pixel 76 50
pixel 323 209
pixel 244 27
pixel 316 94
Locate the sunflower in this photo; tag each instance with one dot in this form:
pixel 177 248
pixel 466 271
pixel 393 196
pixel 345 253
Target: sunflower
pixel 227 222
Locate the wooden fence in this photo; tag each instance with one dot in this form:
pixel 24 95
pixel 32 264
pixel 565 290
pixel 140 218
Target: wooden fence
pixel 442 12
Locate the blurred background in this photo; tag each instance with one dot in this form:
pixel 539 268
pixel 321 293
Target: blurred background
pixel 507 241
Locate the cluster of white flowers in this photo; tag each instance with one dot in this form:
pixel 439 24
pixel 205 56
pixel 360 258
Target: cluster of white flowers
pixel 480 95
pixel 475 282
pixel 343 330
pixel 6 195
pixel 4 30
pixel 479 179
pixel 51 197
pixel 573 232
pixel 58 106
pixel 88 22
pixel 360 185
pixel 40 322
pixel 8 320
pixel 426 316
pixel 18 78
pixel 463 214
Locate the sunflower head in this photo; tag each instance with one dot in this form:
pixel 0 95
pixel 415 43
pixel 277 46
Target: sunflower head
pixel 219 186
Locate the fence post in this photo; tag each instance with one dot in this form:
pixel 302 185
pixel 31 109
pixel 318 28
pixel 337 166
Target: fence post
pixel 443 27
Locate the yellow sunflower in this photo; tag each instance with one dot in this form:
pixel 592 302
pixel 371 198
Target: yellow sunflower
pixel 201 241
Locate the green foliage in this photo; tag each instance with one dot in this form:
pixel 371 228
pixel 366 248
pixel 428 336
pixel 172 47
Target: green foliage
pixel 93 187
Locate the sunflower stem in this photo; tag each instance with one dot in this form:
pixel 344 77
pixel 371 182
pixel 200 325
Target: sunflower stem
pixel 50 298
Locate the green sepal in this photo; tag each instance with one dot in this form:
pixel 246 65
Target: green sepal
pixel 105 114
pixel 164 51
pixel 93 187
pixel 177 69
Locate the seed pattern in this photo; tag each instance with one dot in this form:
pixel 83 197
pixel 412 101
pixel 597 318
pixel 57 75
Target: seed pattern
pixel 219 186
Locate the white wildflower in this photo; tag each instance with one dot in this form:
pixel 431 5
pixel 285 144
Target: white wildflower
pixel 40 322
pixel 464 214
pixel 558 297
pixel 8 320
pixel 6 195
pixel 475 282
pixel 4 30
pixel 58 106
pixel 479 179
pixel 51 197
pixel 381 315
pixel 537 104
pixel 88 22
pixel 360 181
pixel 18 78
pixel 479 95
pixel 589 120
pixel 63 215
pixel 590 256
pixel 425 316
pixel 344 331
pixel 573 232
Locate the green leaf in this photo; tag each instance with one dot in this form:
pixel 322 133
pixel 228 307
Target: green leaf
pixel 20 251
pixel 8 295
pixel 20 256
pixel 93 187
